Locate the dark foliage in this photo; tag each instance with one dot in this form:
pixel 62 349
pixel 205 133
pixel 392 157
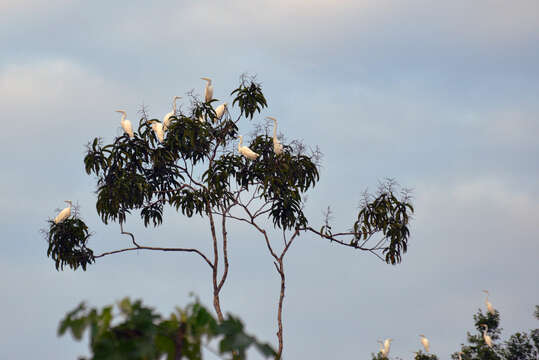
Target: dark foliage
pixel 142 334
pixel 67 244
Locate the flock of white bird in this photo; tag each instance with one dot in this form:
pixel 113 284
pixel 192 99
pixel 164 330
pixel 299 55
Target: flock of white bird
pixel 385 345
pixel 159 129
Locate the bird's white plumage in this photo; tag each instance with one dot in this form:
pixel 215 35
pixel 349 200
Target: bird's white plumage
pixel 487 338
pixel 220 110
pixel 64 214
pixel 166 118
pixel 208 91
pixel 277 146
pixel 490 308
pixel 381 347
pixel 425 343
pixel 245 151
pixel 157 128
pixel 126 124
pixel 387 344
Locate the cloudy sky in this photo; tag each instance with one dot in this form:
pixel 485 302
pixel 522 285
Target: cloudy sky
pixel 441 96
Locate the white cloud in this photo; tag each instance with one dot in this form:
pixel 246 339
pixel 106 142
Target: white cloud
pixel 482 216
pixel 27 9
pixel 57 97
pixel 350 23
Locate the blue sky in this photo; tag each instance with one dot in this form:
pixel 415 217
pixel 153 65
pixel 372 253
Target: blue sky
pixel 441 96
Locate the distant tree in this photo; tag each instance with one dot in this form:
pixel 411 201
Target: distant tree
pixel 420 355
pixel 197 170
pixel 519 346
pixel 136 332
pixel 478 349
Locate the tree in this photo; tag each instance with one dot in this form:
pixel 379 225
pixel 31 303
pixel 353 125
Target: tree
pixel 519 346
pixel 420 355
pixel 196 171
pixel 144 334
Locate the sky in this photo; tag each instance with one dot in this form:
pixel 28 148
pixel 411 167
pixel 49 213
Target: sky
pixel 441 96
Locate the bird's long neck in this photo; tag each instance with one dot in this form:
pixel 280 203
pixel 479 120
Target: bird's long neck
pixel 241 142
pixel 124 115
pixel 274 129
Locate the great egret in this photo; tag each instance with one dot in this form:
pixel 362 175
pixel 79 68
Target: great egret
pixel 166 119
pixel 64 214
pixel 126 124
pixel 245 151
pixel 277 146
pixel 381 346
pixel 387 344
pixel 425 342
pixel 490 308
pixel 157 127
pixel 220 111
pixel 487 338
pixel 208 91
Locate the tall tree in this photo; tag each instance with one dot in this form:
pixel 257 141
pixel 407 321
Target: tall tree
pixel 194 168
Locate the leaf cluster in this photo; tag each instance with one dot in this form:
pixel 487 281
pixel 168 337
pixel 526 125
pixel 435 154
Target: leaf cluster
pixel 67 244
pixel 143 334
pixel 420 355
pixel 278 179
pixel 249 97
pixel 388 214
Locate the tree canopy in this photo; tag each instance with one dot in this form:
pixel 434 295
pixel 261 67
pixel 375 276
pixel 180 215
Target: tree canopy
pixel 194 168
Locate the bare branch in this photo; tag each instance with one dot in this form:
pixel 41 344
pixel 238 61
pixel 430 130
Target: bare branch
pixel 156 249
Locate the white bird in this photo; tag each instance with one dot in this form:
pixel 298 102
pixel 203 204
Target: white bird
pixel 381 346
pixel 157 127
pixel 220 111
pixel 208 92
pixel 487 338
pixel 490 308
pixel 166 119
pixel 277 146
pixel 387 344
pixel 245 151
pixel 126 124
pixel 64 214
pixel 425 342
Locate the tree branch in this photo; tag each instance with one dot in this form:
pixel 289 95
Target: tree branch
pixel 156 249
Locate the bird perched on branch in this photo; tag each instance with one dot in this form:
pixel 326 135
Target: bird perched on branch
pixel 490 308
pixel 208 91
pixel 487 338
pixel 245 151
pixel 64 214
pixel 220 111
pixel 277 146
pixel 387 344
pixel 425 342
pixel 166 119
pixel 126 124
pixel 157 127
